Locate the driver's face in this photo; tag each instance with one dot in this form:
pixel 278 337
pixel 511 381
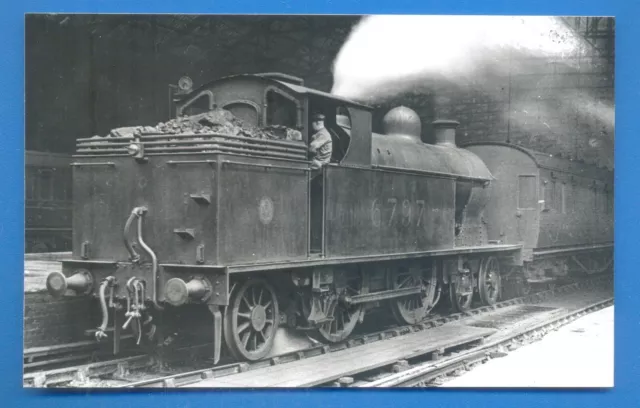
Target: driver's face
pixel 317 125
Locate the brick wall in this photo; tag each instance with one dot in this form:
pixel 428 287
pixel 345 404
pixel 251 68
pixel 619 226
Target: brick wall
pixel 48 321
pixel 545 106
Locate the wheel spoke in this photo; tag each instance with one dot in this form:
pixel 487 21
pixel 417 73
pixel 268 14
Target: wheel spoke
pixel 407 279
pixel 245 339
pixel 246 314
pixel 489 277
pixel 253 295
pixel 246 301
pixel 264 337
pixel 243 327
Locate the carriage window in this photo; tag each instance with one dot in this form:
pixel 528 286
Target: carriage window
pixel 566 191
pixel 553 194
pixel 30 186
pixel 557 202
pixel 281 110
pixel 199 105
pixel 45 185
pixel 546 194
pixel 245 112
pixel 527 192
pixel 62 182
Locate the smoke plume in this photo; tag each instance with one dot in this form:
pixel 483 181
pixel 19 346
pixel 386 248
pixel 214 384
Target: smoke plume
pixel 403 50
pixel 388 56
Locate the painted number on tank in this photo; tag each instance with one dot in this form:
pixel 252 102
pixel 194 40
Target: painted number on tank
pixel 421 209
pixel 394 203
pixel 390 212
pixel 376 217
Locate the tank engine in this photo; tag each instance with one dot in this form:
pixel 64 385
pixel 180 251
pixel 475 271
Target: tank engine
pixel 242 226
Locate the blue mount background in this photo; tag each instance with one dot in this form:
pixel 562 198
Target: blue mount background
pixel 626 392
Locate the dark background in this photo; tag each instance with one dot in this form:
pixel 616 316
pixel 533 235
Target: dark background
pixel 87 74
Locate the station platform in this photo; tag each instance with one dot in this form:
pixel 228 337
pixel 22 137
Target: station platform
pixel 578 355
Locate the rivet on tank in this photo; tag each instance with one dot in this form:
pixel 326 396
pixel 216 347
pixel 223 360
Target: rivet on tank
pixel 80 282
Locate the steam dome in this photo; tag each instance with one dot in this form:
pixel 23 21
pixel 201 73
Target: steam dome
pixel 402 121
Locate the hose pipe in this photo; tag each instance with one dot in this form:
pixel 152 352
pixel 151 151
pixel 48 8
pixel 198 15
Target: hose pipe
pixel 128 313
pixel 100 334
pixel 139 285
pixel 154 260
pixel 133 255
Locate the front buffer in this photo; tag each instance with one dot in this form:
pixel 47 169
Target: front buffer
pixel 136 295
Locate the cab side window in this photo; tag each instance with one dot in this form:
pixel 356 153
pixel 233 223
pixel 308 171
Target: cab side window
pixel 200 104
pixel 340 130
pixel 281 111
pixel 244 111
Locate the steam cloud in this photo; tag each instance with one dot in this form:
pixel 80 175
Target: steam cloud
pixel 386 56
pixel 403 50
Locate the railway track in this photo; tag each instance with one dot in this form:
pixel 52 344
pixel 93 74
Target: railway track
pixel 130 372
pixel 40 358
pixel 423 374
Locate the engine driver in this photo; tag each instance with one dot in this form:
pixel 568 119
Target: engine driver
pixel 321 145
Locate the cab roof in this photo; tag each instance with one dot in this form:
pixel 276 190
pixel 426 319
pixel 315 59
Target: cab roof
pixel 292 83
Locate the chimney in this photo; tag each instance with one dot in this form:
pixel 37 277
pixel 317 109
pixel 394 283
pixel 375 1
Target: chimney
pixel 445 132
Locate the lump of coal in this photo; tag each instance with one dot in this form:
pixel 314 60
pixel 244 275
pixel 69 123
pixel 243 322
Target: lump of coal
pixel 219 121
pixel 124 131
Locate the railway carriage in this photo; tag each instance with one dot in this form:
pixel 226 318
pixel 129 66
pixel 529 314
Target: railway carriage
pixel 559 209
pixel 47 202
pixel 244 227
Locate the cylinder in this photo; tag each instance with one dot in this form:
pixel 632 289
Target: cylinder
pixel 178 292
pixel 81 282
pixel 445 132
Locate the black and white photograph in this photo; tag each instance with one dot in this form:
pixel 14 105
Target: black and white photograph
pixel 318 201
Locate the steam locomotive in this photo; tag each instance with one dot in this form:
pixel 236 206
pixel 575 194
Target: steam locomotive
pixel 243 226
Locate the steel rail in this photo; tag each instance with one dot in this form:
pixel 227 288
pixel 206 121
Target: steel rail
pixel 110 367
pixel 39 357
pixel 192 377
pixel 426 372
pixel 81 373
